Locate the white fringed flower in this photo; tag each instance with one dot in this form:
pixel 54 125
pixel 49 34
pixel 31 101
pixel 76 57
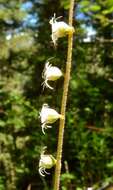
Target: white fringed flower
pixel 48 116
pixel 59 29
pixel 47 161
pixel 50 73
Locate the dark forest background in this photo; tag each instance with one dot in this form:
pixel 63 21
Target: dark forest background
pixel 25 45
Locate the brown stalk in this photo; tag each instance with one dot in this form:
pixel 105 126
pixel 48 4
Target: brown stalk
pixel 64 102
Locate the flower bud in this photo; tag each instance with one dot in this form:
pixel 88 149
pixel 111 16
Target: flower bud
pixel 59 29
pixel 47 161
pixel 48 116
pixel 50 73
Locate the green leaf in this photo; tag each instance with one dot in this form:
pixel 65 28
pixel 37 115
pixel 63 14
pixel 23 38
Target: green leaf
pixel 65 4
pixel 2 123
pixel 95 8
pixel 110 165
pixel 85 3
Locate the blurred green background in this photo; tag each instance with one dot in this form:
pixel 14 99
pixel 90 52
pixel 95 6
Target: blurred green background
pixel 25 45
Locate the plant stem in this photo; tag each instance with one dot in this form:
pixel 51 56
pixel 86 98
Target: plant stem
pixel 64 102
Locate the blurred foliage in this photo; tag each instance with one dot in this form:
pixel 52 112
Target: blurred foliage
pixel 25 45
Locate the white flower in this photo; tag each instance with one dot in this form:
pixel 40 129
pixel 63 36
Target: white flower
pixel 48 116
pixel 47 161
pixel 59 29
pixel 50 73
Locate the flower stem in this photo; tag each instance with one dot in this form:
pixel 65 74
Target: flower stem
pixel 64 102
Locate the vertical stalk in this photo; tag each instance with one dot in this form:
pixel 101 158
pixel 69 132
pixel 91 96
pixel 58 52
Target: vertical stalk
pixel 64 101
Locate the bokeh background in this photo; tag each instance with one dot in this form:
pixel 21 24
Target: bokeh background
pixel 25 45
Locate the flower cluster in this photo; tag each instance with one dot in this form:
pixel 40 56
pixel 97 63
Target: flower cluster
pixel 48 116
pixel 51 73
pixel 47 161
pixel 59 29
